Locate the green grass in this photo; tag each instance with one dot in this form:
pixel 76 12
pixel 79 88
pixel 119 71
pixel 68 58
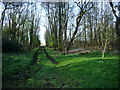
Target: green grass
pixel 73 70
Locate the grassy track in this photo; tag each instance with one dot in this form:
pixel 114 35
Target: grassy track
pixel 73 70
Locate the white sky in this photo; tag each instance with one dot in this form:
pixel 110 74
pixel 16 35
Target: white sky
pixel 42 34
pixel 1 9
pixel 43 21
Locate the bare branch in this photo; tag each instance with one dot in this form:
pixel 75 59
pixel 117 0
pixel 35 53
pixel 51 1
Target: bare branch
pixel 113 10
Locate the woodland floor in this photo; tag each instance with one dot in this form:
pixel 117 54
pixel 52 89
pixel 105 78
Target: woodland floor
pixel 72 71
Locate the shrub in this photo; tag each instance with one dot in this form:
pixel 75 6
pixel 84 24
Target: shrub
pixel 10 45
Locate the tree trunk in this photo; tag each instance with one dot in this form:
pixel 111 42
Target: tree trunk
pixel 103 54
pixel 60 29
pixel 117 23
pixel 71 40
pixel 118 33
pixel 31 37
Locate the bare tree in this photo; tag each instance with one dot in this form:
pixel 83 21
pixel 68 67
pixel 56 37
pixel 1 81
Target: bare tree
pixel 84 7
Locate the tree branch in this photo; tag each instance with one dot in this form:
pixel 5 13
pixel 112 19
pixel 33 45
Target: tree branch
pixel 113 10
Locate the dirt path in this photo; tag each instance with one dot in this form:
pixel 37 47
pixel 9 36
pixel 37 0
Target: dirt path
pixel 49 57
pixel 35 57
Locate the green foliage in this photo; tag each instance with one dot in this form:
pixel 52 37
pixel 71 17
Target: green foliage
pixel 50 41
pixel 73 70
pixel 7 32
pixel 36 41
pixel 10 45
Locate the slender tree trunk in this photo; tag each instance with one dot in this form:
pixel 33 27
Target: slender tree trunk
pixel 22 38
pixel 103 54
pixel 71 40
pixel 65 38
pixel 14 28
pixel 60 29
pixel 31 33
pixel 75 32
pixel 85 32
